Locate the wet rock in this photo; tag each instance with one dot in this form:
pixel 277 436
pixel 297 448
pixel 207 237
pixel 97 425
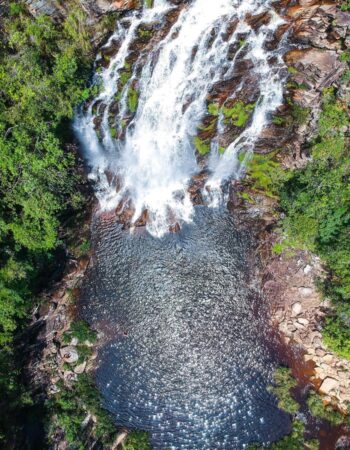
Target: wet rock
pixel 143 219
pixel 47 7
pixel 258 20
pixel 116 5
pixel 175 228
pixel 273 137
pixel 125 212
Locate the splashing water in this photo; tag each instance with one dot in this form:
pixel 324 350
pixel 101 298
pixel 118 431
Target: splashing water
pixel 154 160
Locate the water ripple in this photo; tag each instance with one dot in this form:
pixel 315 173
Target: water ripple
pixel 187 355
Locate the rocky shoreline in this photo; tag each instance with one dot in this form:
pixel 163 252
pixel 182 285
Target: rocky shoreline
pixel 289 279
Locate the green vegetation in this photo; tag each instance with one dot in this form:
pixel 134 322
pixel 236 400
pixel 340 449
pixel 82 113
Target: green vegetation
pixel 44 68
pixel 326 412
pixel 203 147
pixel 345 5
pixel 238 114
pixel 81 331
pixel 70 407
pixel 265 173
pixel 137 440
pixel 277 120
pixel 145 34
pixel 292 70
pixel 293 441
pixel 284 382
pixel 213 109
pixel 316 201
pixel 316 205
pixel 235 114
pixel 299 114
pixel 133 98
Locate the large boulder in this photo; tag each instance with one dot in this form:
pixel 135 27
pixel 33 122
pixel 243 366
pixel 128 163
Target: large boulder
pixel 316 68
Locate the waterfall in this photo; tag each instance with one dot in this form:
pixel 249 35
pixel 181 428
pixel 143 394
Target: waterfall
pixel 149 158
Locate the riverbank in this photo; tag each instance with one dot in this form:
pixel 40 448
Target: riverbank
pixel 291 274
pixel 46 63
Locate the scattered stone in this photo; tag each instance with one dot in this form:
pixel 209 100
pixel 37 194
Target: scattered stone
pixel 74 341
pixel 306 292
pixel 69 354
pixel 328 385
pixel 343 442
pixel 86 421
pixel 296 309
pixel 54 389
pixel 80 368
pixel 319 352
pixel 303 321
pixel 69 376
pixel 299 326
pixel 317 342
pixel 52 349
pixel 119 440
pixel 307 269
pixel 328 358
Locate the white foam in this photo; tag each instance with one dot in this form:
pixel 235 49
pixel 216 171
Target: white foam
pixel 157 158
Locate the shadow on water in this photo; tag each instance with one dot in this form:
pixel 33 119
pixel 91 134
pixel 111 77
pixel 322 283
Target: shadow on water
pixel 187 353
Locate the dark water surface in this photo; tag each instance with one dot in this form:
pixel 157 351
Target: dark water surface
pixel 186 353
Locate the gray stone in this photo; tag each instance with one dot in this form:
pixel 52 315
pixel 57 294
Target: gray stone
pixel 69 354
pixel 296 309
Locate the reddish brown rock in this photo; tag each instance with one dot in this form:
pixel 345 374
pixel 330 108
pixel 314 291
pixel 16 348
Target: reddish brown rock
pixel 317 69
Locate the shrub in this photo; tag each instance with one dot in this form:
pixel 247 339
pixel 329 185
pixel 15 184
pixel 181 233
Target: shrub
pixel 316 202
pixel 44 67
pixel 284 382
pixel 326 412
pixel 137 440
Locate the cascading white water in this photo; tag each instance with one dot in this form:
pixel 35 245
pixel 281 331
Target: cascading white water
pixel 156 158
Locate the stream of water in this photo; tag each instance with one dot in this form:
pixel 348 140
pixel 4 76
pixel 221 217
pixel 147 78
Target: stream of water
pixel 156 158
pixel 186 354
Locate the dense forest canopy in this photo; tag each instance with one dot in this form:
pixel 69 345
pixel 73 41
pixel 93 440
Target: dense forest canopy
pixel 44 69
